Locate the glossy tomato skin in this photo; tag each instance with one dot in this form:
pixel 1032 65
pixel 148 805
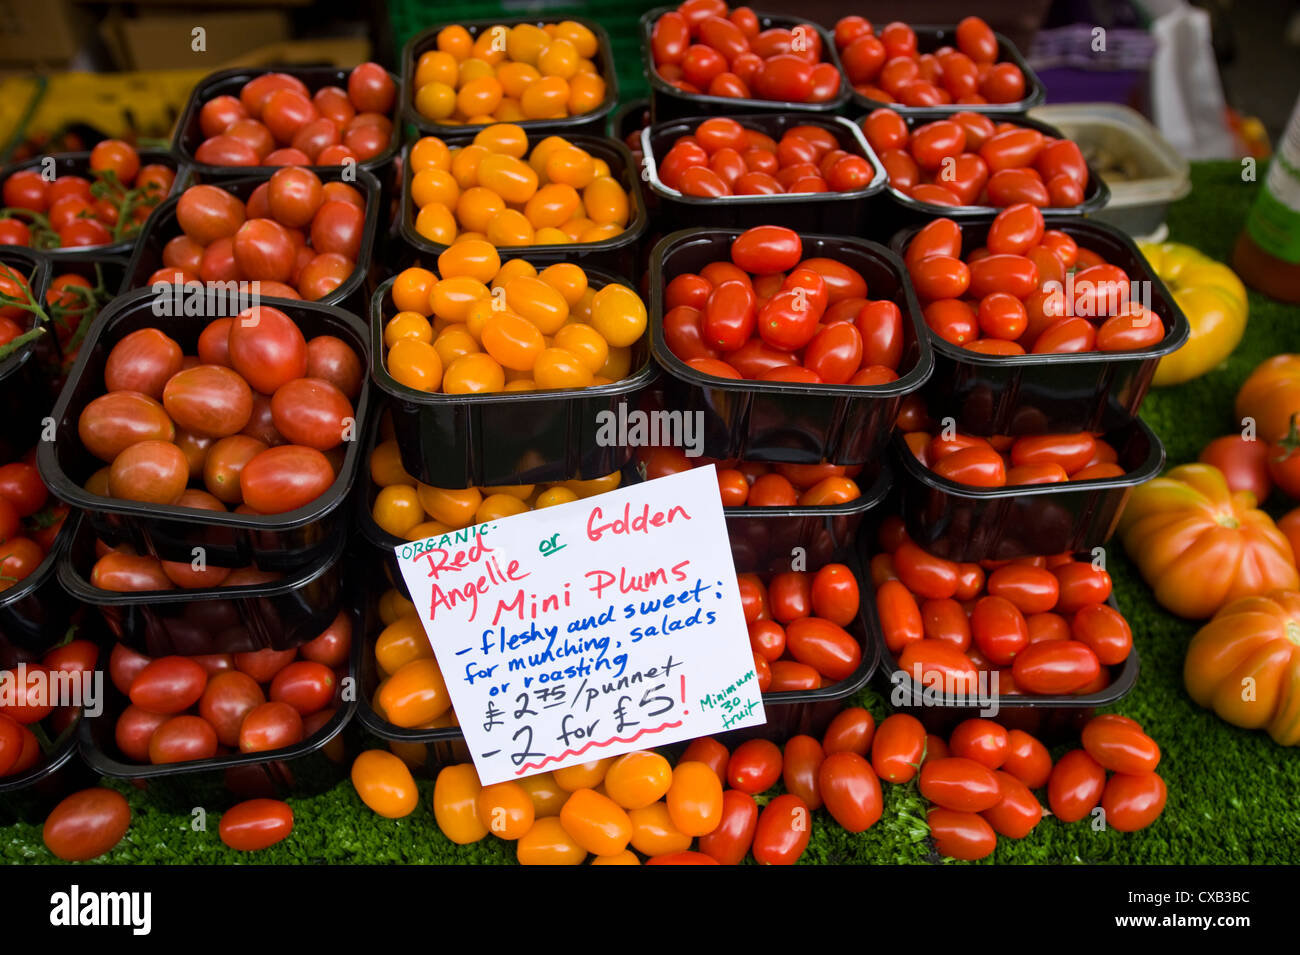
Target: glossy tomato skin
pixel 1027 759
pixel 850 790
pixel 961 835
pixel 826 647
pixel 764 250
pixel 897 748
pixel 784 827
pixel 1055 666
pixel 957 783
pixel 802 759
pixel 1075 786
pixel 982 741
pixel 851 731
pixel 1133 802
pixel 256 824
pixel 1120 747
pixel 168 685
pixel 1017 810
pixel 87 824
pixel 729 843
pixel 755 766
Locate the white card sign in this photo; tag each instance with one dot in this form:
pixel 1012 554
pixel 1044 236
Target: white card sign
pixel 589 629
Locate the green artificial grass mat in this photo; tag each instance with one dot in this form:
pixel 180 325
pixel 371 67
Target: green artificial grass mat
pixel 1232 793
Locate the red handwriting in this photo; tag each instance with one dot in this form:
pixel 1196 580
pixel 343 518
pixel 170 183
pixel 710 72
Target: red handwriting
pixel 600 580
pixel 452 596
pixel 627 524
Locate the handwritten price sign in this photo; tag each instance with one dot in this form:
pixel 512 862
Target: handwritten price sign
pixel 589 629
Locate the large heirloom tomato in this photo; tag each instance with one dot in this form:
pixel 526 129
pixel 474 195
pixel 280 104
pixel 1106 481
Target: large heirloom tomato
pixel 1214 301
pixel 1200 546
pixel 1271 395
pixel 1245 665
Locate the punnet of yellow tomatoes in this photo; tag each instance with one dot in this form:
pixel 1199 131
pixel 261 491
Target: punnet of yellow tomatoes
pixel 498 187
pixel 476 73
pixel 480 326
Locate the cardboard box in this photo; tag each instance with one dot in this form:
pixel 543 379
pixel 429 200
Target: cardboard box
pixel 40 32
pixel 167 41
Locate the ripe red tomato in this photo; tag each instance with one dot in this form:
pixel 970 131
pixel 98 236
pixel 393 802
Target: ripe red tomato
pixel 267 348
pixel 802 758
pixel 825 646
pixel 1081 584
pixel 1030 589
pixel 900 617
pixel 754 767
pixel 256 824
pixel 1027 759
pixel 1055 667
pixel 134 728
pixel 1133 802
pixel 960 784
pixel 789 594
pixel 729 843
pixel 228 698
pixel 86 824
pixel 1121 747
pixel 897 748
pixel 272 725
pixel 168 685
pixel 210 401
pixel 765 250
pixel 851 731
pixel 142 361
pixel 1244 463
pixel 182 739
pixel 783 830
pixel 850 790
pixel 1104 630
pixel 961 835
pixel 263 665
pixel 981 740
pixel 285 478
pixel 835 595
pixel 707 750
pixel 1017 810
pixel 1075 786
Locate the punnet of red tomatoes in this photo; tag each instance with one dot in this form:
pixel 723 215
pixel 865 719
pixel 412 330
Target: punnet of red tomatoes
pixel 968 160
pixel 30 521
pixel 759 484
pixel 705 47
pixel 1003 460
pixel 888 66
pixel 297 236
pixel 1027 290
pixel 256 421
pixel 275 120
pixel 1043 625
pixel 104 207
pixel 186 708
pixel 722 157
pixel 32 726
pixel 981 781
pixel 770 314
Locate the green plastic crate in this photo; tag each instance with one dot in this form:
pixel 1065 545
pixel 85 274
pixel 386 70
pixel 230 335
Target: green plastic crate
pixel 409 17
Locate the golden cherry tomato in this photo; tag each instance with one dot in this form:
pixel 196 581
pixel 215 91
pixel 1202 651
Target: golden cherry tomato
pixel 474 68
pixel 436 101
pixel 654 832
pixel 542 152
pixel 435 66
pixel 475 258
pixel 545 98
pixel 567 279
pixel 506 810
pixel 510 178
pixel 415 694
pixel 559 368
pixel 474 374
pixel 514 268
pixel 524 43
pixel 570 166
pixel 402 641
pixel 695 799
pixel 415 364
pixel 411 290
pixel 397 509
pixel 505 138
pixel 538 302
pixel 583 40
pixel 515 78
pixel 618 314
pixel 476 207
pixel 455 40
pixel 600 485
pixel 437 223
pixel 407 325
pixel 479 314
pixel 386 465
pixel 582 776
pixel 451 298
pixel 596 822
pixel 393 607
pixel 384 784
pixel 553 496
pixel 512 340
pixel 479 96
pixel 586 92
pixel 605 201
pixel 453 342
pixel 452 506
pixel 600 233
pixel 552 205
pixel 546 843
pixel 510 228
pixel 430 152
pixel 558 58
pixel 490 45
pixel 584 342
pixel 618 365
pixel 495 506
pixel 576 227
pixel 548 798
pixel 464 165
pixel 626 857
pixel 427 529
pixel 434 185
pixel 455 804
pixel 635 780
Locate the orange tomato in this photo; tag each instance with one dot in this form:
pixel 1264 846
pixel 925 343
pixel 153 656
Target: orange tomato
pixel 455 804
pixel 384 784
pixel 695 799
pixel 506 809
pixel 596 823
